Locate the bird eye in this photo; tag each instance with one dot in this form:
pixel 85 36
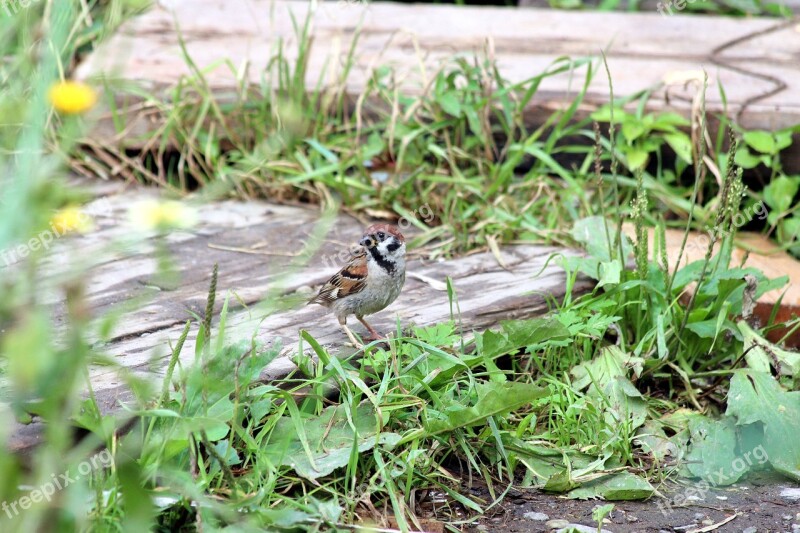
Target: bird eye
pixel 381 235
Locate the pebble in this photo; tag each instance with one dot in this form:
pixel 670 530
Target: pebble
pixel 631 518
pixel 580 528
pixel 791 493
pixel 722 498
pixel 556 524
pixel 787 517
pixel 482 527
pixel 750 529
pixel 541 517
pixel 795 527
pixel 707 522
pixel 699 516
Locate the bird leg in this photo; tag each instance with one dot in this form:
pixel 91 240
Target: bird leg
pixel 375 335
pixel 350 335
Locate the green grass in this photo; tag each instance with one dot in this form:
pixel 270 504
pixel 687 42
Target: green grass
pixel 462 147
pixel 609 395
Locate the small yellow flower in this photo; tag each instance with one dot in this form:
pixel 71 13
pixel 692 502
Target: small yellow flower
pixel 71 220
pixel 152 214
pixel 72 97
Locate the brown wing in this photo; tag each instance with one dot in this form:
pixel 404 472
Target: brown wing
pixel 349 280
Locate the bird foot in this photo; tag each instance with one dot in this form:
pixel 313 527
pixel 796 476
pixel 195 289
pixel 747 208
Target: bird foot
pixel 353 340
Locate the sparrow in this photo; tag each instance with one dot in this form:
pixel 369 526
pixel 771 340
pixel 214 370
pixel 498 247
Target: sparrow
pixel 370 281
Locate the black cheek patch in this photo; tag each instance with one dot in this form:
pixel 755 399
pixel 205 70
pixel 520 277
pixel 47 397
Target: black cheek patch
pixel 388 266
pixel 393 246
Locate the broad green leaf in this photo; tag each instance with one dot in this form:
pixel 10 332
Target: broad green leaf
pixel 601 511
pixel 610 272
pixel 541 468
pixel 712 451
pixel 450 103
pixel 790 230
pixel 284 517
pixel 474 123
pixel 221 410
pixel 632 130
pixel 652 438
pixel 588 266
pixel 331 439
pixel 214 428
pixel 745 159
pixel 591 233
pixel 763 141
pixel 493 399
pixel 636 158
pixel 757 397
pixel 762 354
pixel 687 274
pixel 534 331
pixel 661 338
pixel 670 120
pixel 442 334
pixel 681 144
pixel 518 334
pixel 623 404
pixel 560 482
pixel 608 365
pixel 780 192
pixel 621 486
pixel 783 139
pixel 604 114
pixel 495 344
pixel 707 329
pixel 227 452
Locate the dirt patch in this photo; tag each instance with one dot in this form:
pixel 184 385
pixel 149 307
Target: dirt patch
pixel 756 504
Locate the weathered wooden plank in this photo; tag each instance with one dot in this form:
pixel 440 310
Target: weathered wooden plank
pixel 754 59
pixel 793 6
pixel 487 292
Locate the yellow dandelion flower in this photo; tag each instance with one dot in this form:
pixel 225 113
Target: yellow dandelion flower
pixel 72 97
pixel 152 214
pixel 71 220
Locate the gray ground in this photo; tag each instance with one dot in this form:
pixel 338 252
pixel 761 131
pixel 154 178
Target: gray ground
pixel 762 504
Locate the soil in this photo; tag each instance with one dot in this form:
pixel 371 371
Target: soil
pixel 757 506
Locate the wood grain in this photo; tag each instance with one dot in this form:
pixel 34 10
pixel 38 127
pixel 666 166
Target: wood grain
pixel 122 279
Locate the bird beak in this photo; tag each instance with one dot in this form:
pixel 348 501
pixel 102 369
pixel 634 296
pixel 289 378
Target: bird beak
pixel 366 241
